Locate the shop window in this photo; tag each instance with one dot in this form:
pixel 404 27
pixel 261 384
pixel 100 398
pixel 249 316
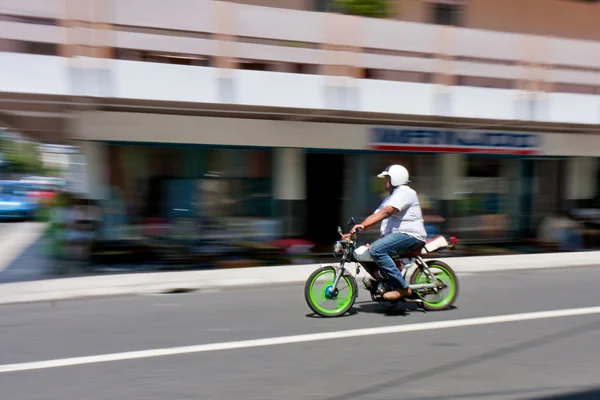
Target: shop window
pixel 575 88
pixel 307 69
pixel 44 49
pixel 484 186
pixel 254 66
pixel 485 82
pixel 29 20
pixel 20 46
pixel 176 59
pixel 324 5
pixel 485 209
pixel 446 14
pixel 422 176
pixel 369 73
pixel 483 167
pixel 243 180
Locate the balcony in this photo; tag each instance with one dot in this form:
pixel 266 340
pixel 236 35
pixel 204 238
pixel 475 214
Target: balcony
pixel 361 64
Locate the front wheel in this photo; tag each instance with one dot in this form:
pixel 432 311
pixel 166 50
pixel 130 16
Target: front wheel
pixel 445 297
pixel 323 300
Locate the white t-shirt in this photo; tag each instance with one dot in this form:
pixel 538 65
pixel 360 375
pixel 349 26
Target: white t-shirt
pixel 408 219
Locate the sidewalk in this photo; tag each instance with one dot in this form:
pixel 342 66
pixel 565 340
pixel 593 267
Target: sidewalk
pixel 167 282
pixel 21 252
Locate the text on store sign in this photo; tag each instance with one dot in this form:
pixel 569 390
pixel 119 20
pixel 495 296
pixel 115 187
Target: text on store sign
pixel 439 140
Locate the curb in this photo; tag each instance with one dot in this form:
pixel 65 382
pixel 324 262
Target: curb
pixel 188 281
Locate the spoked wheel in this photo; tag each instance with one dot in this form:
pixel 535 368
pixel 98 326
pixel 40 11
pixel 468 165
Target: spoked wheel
pixel 323 300
pixel 445 297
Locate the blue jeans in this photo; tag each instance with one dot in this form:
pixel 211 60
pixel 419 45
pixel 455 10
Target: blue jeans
pixel 393 245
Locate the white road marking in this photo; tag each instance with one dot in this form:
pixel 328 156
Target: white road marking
pixel 244 344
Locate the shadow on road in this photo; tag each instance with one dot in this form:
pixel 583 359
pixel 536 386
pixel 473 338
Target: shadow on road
pixel 500 393
pixel 590 394
pixel 398 381
pixel 402 309
pixel 370 307
pixel 30 265
pixel 348 314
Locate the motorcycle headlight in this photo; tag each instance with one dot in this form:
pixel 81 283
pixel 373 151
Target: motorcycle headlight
pixel 338 248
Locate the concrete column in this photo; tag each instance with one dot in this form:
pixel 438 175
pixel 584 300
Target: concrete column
pixel 452 169
pixel 357 182
pixel 224 14
pixel 290 174
pixel 581 182
pixel 512 172
pixel 89 170
pixel 289 189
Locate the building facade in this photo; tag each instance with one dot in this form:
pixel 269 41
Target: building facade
pixel 281 117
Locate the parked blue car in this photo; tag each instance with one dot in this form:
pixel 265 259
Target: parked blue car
pixel 15 202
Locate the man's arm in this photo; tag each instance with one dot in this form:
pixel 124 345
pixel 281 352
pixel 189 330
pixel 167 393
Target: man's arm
pixel 376 217
pixel 396 202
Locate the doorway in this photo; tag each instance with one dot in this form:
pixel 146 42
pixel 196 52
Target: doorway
pixel 324 192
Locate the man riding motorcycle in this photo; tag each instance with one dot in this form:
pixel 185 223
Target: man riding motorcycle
pixel 402 228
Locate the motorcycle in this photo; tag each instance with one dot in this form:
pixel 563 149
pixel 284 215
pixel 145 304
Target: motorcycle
pixel 434 284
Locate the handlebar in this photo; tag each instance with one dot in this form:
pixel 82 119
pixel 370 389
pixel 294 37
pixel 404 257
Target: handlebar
pixel 354 236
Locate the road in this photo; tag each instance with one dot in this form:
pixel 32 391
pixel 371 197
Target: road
pixel 530 359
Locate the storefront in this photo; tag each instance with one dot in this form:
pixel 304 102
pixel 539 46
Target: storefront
pixel 219 189
pixel 468 182
pixel 302 179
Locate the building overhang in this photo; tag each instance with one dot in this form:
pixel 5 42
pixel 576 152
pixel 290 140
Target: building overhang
pixel 46 117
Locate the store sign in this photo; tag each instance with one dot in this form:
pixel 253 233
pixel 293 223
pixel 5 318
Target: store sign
pixel 454 141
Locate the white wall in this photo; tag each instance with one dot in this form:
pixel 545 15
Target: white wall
pixel 452 168
pixel 27 73
pixel 571 144
pixel 142 80
pixel 581 178
pixel 485 103
pixel 277 89
pixel 133 127
pixel 574 108
pixel 91 178
pixel 397 97
pixel 289 173
pixel 158 128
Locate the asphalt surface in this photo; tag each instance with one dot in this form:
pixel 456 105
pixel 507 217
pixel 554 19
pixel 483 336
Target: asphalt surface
pixel 534 359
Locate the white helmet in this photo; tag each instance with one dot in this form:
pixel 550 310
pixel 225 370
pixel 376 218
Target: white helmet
pixel 397 173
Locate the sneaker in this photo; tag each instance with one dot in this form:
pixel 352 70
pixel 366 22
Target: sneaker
pixel 396 295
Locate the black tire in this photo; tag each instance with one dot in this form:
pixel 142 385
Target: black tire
pixel 307 293
pixel 447 303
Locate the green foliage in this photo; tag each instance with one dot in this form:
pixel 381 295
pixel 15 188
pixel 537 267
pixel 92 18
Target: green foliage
pixel 364 8
pixel 21 157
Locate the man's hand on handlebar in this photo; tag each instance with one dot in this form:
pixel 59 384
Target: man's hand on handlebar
pixel 356 229
pixel 353 232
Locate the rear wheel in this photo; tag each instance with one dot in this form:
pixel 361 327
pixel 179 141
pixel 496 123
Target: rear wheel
pixel 445 297
pixel 323 300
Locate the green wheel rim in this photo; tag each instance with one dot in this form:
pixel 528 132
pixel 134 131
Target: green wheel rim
pixel 445 277
pixel 318 296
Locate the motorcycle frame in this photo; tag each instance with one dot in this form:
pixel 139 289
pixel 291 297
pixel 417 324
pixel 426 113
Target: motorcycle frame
pixel 415 262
